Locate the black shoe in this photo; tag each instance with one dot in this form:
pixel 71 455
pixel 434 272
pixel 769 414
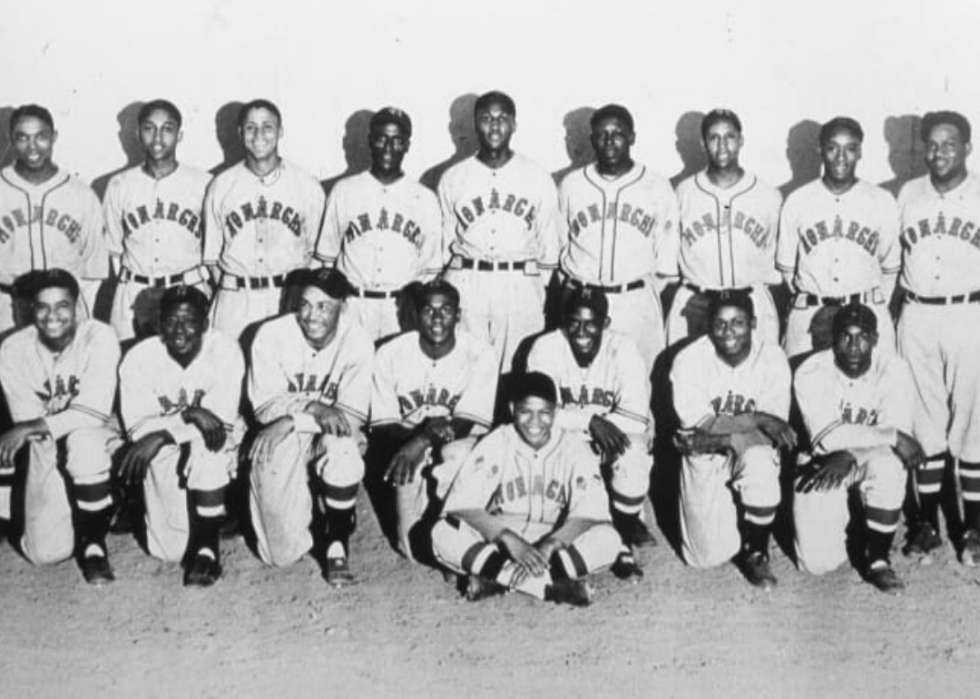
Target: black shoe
pixel 577 593
pixel 626 568
pixel 923 539
pixel 642 536
pixel 755 567
pixel 96 570
pixel 478 588
pixel 970 553
pixel 881 575
pixel 202 571
pixel 339 573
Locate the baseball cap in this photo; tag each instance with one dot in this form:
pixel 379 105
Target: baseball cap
pixel 587 297
pixel 740 298
pixel 392 115
pixel 855 314
pixel 176 295
pixel 330 281
pixel 536 384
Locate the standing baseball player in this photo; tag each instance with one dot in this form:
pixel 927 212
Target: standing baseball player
pixel 731 393
pixel 48 218
pixel 855 404
pixel 729 220
pixel 604 397
pixel 381 229
pixel 59 378
pixel 310 387
pixel 500 224
pixel 179 396
pixel 432 397
pixel 528 510
pixel 937 333
pixel 838 244
pixel 154 221
pixel 620 231
pixel 263 219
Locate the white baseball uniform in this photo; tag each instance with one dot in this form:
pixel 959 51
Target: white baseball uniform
pixel 154 232
pixel 286 374
pixel 614 386
pixel 861 416
pixel 55 224
pixel 707 391
pixel 839 248
pixel 154 390
pixel 257 230
pixel 621 235
pixel 73 392
pixel 381 236
pixel 727 241
pixel 501 228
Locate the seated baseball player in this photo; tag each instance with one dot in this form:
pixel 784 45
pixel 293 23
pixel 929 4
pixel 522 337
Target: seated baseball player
pixel 433 394
pixel 179 396
pixel 528 510
pixel 604 397
pixel 731 394
pixel 310 386
pixel 59 379
pixel 856 404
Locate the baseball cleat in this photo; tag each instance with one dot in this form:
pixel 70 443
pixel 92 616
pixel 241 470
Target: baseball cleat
pixel 881 575
pixel 202 571
pixel 478 588
pixel 970 554
pixel 626 568
pixel 577 593
pixel 755 567
pixel 642 536
pixel 96 570
pixel 338 573
pixel 923 539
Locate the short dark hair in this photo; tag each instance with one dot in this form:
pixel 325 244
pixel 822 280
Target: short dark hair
pixel 739 298
pixel 29 285
pixel 716 116
pixel 495 97
pixel 612 111
pixel 533 383
pixel 163 105
pixel 176 295
pixel 437 286
pixel 391 115
pixel 31 110
pixel 933 119
pixel 837 124
pixel 258 104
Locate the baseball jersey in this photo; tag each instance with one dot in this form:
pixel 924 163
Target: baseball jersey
pixel 728 235
pixel 262 226
pixel 155 226
pixel 706 387
pixel 613 386
pixel 845 413
pixel 838 244
pixel 509 213
pixel 409 386
pixel 55 224
pixel 382 236
pixel 154 389
pixel 506 477
pixel 940 237
pixel 287 372
pixel 70 390
pixel 618 231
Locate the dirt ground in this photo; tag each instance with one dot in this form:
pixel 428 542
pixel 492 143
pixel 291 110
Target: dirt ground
pixel 404 632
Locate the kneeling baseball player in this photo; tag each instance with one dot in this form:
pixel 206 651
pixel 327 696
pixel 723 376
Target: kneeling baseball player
pixel 179 396
pixel 528 510
pixel 856 403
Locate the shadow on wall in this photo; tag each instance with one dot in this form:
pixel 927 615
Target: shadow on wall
pixel 578 141
pixel 226 131
pixel 906 153
pixel 803 154
pixel 6 149
pixel 463 134
pixel 357 153
pixel 129 140
pixel 688 145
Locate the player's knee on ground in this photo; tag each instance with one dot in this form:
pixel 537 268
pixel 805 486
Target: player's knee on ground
pixel 280 503
pixel 708 518
pixel 88 456
pixel 820 521
pixel 631 476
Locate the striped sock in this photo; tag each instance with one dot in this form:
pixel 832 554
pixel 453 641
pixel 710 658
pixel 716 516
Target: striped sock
pixel 970 485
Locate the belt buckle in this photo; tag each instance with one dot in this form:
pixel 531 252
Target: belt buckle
pixel 958 298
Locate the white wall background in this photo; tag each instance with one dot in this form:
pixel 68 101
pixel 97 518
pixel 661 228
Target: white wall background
pixel 776 63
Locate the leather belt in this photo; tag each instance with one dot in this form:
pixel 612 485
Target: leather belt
pixel 703 289
pixel 972 297
pixel 162 282
pixel 488 266
pixel 614 289
pixel 814 300
pixel 252 282
pixel 373 294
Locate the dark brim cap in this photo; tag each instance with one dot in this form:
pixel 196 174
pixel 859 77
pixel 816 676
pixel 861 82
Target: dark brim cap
pixel 855 314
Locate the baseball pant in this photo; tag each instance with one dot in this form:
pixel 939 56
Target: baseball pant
pixel 280 497
pixel 379 317
pixel 630 476
pixel 942 347
pixel 49 534
pixel 234 309
pixel 709 519
pixel 820 517
pixel 810 327
pixel 688 315
pixel 137 306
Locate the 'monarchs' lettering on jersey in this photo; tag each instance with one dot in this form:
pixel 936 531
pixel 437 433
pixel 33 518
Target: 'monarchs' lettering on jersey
pixel 263 211
pixel 418 399
pixel 18 218
pixel 860 234
pixel 180 404
pixel 395 222
pixel 170 211
pixel 853 415
pixel 587 396
pixel 635 217
pixel 56 397
pixel 957 228
pixel 311 383
pixel 517 489
pixel 511 203
pixel 737 221
pixel 733 404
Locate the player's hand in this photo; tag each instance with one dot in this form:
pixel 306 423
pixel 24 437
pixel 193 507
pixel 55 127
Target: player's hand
pixel 908 449
pixel 548 545
pixel 782 435
pixel 140 455
pixel 330 419
pixel 531 563
pixel 439 430
pixel 406 461
pixel 827 472
pixel 11 442
pixel 208 424
pixel 268 438
pixel 611 440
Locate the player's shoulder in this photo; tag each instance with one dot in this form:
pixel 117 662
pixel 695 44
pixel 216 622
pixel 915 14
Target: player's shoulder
pixel 353 185
pixel 472 347
pixel 769 354
pixel 220 344
pixel 145 351
pixel 299 176
pixel 192 174
pixel 228 179
pixel 353 337
pixel 96 334
pixel 891 366
pixel 695 353
pixel 875 192
pixel 620 345
pixel 806 194
pixel 819 366
pixel 762 188
pixel 916 188
pixel 18 342
pixel 280 330
pixel 400 346
pixel 549 342
pixel 649 177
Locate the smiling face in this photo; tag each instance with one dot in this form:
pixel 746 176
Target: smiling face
pixel 438 316
pixel 852 347
pixel 840 153
pixel 317 316
pixel 533 419
pixel 260 132
pixel 54 317
pixel 583 329
pixel 946 154
pixel 612 139
pixel 159 135
pixel 33 141
pixel 730 332
pixel 182 330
